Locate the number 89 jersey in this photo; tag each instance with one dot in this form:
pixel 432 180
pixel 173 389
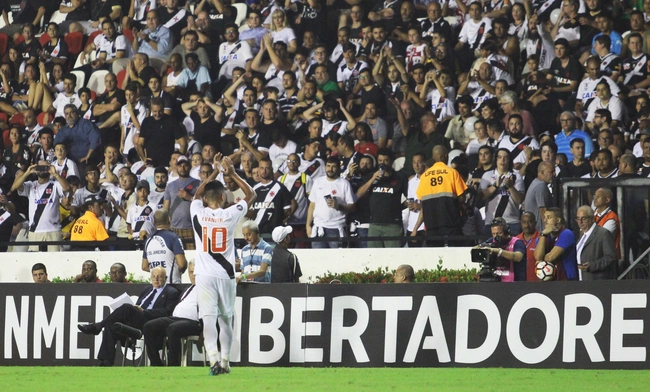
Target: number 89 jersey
pixel 439 189
pixel 214 234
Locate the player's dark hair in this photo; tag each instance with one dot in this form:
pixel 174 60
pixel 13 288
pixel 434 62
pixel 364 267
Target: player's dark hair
pixel 213 191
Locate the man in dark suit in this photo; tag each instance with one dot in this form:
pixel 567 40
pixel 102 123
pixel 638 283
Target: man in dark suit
pixel 156 301
pixel 595 252
pixel 182 323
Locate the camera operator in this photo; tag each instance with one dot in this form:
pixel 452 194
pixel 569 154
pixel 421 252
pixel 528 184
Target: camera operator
pixel 509 251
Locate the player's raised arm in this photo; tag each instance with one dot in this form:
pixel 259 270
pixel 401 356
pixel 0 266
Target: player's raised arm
pixel 229 170
pixel 217 169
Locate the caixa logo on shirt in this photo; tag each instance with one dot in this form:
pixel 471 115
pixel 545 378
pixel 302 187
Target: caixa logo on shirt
pixel 263 205
pixel 381 189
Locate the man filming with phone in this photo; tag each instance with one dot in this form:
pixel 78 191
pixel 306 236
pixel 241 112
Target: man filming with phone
pixel 44 196
pixel 508 252
pixel 386 188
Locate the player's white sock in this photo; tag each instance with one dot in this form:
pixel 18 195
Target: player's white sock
pixel 225 338
pixel 210 336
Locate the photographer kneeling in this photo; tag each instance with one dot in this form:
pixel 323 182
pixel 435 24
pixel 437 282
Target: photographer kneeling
pixel 507 253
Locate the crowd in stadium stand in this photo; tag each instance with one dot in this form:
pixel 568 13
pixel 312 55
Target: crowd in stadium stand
pixel 332 110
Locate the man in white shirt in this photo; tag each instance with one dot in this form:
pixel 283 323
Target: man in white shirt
pixel 131 117
pixel 299 185
pixel 587 88
pixel 516 142
pixel 141 211
pixel 310 163
pixel 605 100
pixel 330 200
pixel 472 35
pixel 44 196
pixel 233 53
pixel 68 96
pixel 413 203
pixel 595 250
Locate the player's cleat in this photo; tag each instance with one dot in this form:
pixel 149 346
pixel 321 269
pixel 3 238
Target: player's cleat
pixel 224 370
pixel 216 369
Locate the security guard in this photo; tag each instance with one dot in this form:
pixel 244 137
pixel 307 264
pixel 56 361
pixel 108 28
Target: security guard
pixel 88 227
pixel 440 189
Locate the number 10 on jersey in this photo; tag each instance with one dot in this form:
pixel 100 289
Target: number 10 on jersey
pixel 215 241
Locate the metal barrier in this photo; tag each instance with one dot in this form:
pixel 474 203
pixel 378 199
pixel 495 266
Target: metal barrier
pixel 347 242
pixel 630 202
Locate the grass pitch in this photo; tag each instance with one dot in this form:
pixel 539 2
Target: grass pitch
pixel 64 379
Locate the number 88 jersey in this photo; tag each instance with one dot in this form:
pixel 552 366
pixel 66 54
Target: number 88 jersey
pixel 214 234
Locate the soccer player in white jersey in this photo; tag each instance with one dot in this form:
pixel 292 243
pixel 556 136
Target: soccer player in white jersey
pixel 214 234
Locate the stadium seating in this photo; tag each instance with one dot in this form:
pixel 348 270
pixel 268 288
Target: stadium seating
pixel 44 38
pixel 9 16
pixel 128 34
pixel 4 41
pixel 92 36
pixel 96 81
pixel 81 78
pixel 58 17
pixel 242 10
pixel 5 138
pixel 17 119
pixel 120 78
pixel 41 119
pixel 399 163
pixel 75 43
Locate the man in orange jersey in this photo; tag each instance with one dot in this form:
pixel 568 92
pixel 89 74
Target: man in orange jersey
pixel 441 190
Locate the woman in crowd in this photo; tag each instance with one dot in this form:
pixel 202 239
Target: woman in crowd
pixel 16 58
pixel 490 110
pixel 30 92
pixel 55 80
pixel 281 31
pixel 519 24
pixel 17 156
pixel 8 86
pixel 366 144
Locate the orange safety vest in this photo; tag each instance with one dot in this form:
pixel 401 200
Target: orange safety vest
pixel 609 215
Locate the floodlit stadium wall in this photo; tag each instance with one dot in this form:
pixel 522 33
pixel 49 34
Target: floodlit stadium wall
pixel 598 325
pixel 17 267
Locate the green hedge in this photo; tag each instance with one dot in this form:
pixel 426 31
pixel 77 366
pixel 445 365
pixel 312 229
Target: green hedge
pixel 106 279
pixel 384 275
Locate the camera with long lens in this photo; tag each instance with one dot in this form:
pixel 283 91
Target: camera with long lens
pixel 487 259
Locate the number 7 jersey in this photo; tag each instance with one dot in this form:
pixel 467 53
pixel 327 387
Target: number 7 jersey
pixel 214 234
